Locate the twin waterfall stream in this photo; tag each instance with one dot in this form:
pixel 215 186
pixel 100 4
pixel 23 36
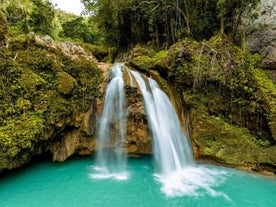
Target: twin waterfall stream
pixel 175 168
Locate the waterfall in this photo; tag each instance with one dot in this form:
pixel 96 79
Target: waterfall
pixel 176 170
pixel 110 156
pixel 171 148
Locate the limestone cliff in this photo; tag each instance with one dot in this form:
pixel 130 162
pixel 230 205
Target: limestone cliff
pixel 261 32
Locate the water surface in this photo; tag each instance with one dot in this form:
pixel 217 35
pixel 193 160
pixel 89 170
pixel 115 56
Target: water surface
pixel 71 183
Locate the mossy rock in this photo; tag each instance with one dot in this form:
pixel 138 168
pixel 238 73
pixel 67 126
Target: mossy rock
pixel 151 61
pixel 228 144
pixel 102 53
pixel 65 82
pixel 43 92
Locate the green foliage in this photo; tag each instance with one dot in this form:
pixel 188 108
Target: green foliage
pixel 78 29
pixel 127 23
pixel 230 13
pixel 42 16
pixel 17 13
pixel 39 16
pixel 162 23
pixel 31 15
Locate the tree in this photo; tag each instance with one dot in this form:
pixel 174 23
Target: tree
pixel 42 17
pixel 163 22
pixel 230 13
pixel 78 28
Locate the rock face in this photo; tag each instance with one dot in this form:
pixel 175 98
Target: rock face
pixel 67 48
pixel 138 138
pixel 82 140
pixel 261 36
pixel 77 140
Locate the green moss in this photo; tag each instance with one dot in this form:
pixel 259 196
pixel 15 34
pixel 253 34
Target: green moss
pixel 65 82
pixel 227 143
pixel 30 81
pixel 143 62
pixel 142 51
pixel 3 27
pixel 156 61
pixel 267 91
pixel 20 134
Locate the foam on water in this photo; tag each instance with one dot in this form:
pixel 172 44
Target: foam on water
pixel 192 181
pixel 103 173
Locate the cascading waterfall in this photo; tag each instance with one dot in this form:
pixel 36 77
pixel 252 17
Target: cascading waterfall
pixel 172 151
pixel 110 157
pixel 171 146
pixel 176 170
